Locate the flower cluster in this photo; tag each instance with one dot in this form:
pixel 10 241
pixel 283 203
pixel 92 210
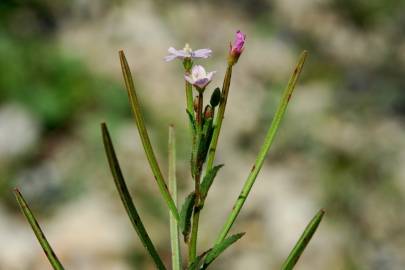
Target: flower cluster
pixel 197 75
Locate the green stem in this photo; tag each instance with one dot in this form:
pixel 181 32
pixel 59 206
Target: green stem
pixel 302 243
pixel 268 141
pixel 219 118
pixel 174 226
pixel 144 135
pixel 38 232
pixel 199 163
pixel 189 96
pixel 194 235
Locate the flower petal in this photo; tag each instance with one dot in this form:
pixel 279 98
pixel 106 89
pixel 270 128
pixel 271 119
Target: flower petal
pixel 189 79
pixel 210 75
pixel 201 83
pixel 169 58
pixel 239 42
pixel 198 72
pixel 202 53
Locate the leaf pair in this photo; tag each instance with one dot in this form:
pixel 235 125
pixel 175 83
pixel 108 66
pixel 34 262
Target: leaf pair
pixel 189 203
pixel 201 142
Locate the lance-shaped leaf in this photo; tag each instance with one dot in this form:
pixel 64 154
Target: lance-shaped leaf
pixel 207 181
pixel 192 122
pixel 127 200
pixel 185 215
pixel 303 241
pixel 38 232
pixel 268 141
pixel 174 226
pixel 144 135
pixel 205 141
pixel 219 248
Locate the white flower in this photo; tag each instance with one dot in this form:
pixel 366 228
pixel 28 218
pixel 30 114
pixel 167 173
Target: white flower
pixel 187 52
pixel 199 77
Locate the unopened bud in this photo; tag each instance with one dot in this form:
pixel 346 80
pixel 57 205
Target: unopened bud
pixel 215 97
pixel 237 47
pixel 208 112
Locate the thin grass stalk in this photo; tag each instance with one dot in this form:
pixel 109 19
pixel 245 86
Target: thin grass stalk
pixel 144 135
pixel 268 141
pixel 174 226
pixel 53 259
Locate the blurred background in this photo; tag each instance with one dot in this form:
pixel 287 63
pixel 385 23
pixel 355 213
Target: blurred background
pixel 341 146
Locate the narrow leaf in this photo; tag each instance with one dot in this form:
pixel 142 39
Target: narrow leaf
pixel 38 232
pixel 268 141
pixel 185 215
pixel 303 241
pixel 144 135
pixel 192 121
pixel 219 248
pixel 174 226
pixel 206 139
pixel 127 200
pixel 208 180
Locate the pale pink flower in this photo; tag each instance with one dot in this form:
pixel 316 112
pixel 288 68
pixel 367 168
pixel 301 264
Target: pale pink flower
pixel 199 77
pixel 187 52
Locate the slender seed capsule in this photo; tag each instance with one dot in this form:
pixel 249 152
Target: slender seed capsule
pixel 195 104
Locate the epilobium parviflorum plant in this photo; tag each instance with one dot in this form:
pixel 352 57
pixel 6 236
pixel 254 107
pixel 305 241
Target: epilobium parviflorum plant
pixel 205 122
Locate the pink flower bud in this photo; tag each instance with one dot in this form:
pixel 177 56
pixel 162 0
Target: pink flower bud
pixel 237 47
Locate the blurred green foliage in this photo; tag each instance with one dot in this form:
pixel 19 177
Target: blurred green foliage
pixel 58 89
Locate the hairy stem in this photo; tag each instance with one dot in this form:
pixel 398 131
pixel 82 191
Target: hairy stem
pixel 197 178
pixel 219 118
